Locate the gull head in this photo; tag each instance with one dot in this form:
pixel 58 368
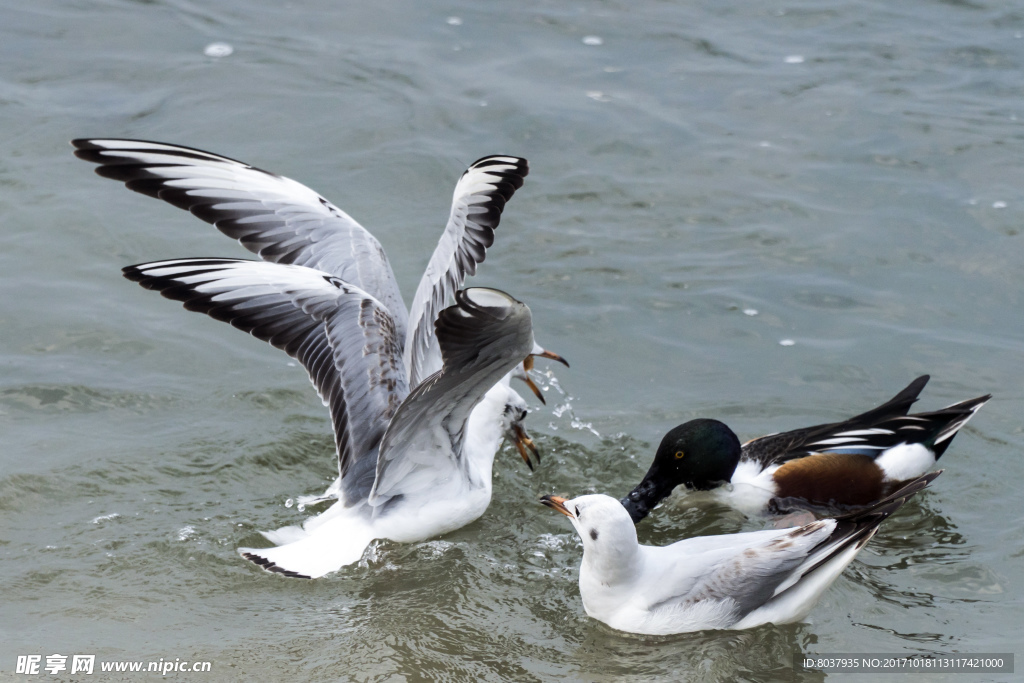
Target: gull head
pixel 602 523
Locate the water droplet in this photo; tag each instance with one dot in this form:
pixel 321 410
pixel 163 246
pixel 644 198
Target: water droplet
pixel 750 311
pixel 794 59
pixel 288 503
pixel 218 50
pixel 786 342
pixel 301 507
pixel 454 21
pixel 998 205
pixel 593 40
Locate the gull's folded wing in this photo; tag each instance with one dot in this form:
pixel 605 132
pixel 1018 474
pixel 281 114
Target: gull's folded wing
pixel 482 337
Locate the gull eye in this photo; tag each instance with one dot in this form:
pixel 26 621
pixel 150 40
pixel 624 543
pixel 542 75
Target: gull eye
pixel 679 455
pixel 577 508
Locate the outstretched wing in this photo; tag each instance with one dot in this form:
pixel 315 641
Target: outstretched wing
pixel 344 338
pixel 275 217
pixel 477 203
pixel 782 447
pixel 482 337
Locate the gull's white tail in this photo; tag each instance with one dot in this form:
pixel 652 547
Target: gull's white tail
pixel 317 550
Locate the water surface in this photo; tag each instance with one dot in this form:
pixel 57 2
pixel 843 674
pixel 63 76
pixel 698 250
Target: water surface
pixel 707 181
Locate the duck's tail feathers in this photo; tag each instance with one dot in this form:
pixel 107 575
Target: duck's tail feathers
pixel 959 414
pixel 897 405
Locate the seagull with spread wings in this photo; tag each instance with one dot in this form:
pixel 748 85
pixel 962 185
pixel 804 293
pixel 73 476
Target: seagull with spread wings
pixel 327 296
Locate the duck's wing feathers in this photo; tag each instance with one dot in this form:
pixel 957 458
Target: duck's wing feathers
pixel 344 337
pixel 871 433
pixel 274 217
pixel 477 203
pixel 482 337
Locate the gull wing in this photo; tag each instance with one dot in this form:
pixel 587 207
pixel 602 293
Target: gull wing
pixel 274 217
pixel 728 575
pixel 344 337
pixel 770 576
pixel 477 203
pixel 482 337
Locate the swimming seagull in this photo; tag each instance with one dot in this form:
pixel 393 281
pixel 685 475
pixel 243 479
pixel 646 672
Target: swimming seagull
pixel 411 465
pixel 733 581
pixel 283 221
pixel 843 464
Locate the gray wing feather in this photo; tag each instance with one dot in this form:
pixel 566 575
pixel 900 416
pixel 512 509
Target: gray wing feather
pixel 741 571
pixel 344 338
pixel 477 203
pixel 479 345
pixel 274 217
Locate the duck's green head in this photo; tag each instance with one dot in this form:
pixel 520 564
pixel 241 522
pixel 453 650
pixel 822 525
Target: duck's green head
pixel 700 454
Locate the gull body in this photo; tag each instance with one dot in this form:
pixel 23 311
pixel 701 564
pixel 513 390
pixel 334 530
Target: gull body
pixel 733 581
pixel 411 467
pixel 327 296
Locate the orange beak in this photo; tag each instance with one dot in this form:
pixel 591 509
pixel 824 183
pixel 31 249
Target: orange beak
pixel 543 353
pixel 528 365
pixel 557 503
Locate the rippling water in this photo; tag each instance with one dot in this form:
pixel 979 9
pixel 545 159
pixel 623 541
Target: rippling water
pixel 775 214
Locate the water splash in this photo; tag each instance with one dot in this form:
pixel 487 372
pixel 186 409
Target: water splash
pixel 547 381
pixel 105 518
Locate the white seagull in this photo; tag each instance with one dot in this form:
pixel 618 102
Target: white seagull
pixel 733 581
pixel 283 221
pixel 413 463
pixel 302 235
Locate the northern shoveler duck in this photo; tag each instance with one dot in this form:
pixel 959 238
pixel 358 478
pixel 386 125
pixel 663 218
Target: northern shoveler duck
pixel 733 581
pixel 838 465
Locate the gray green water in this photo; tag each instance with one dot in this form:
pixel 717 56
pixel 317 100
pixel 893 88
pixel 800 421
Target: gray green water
pixel 850 170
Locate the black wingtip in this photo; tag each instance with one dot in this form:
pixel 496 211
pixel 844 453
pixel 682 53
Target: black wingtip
pixel 269 566
pixel 132 273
